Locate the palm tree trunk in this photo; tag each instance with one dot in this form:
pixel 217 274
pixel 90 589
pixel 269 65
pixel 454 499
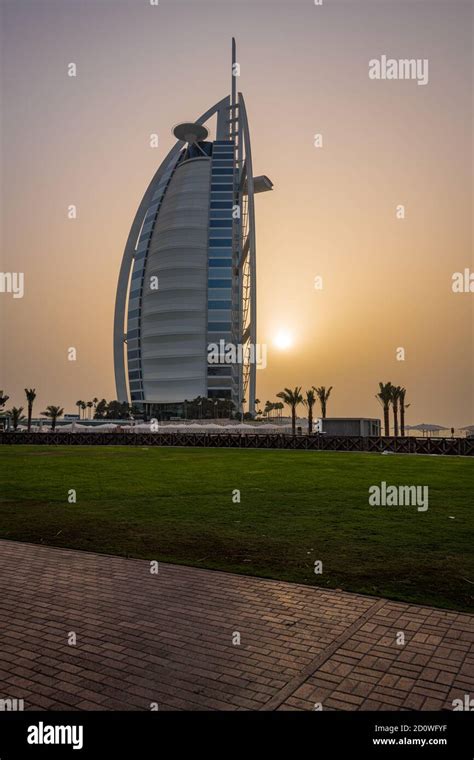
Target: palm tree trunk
pixel 53 424
pixel 386 419
pixel 395 420
pixel 323 409
pixel 310 421
pixel 30 413
pixel 293 420
pixel 402 420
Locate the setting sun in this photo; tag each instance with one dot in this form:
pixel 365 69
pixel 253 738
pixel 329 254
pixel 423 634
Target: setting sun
pixel 283 339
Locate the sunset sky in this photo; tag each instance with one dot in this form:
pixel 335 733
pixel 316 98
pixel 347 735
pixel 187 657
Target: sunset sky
pixel 304 70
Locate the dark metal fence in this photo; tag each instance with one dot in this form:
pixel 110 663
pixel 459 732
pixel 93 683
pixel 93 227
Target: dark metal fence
pixel 444 446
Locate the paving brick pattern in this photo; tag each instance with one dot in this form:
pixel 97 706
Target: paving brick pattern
pixel 168 638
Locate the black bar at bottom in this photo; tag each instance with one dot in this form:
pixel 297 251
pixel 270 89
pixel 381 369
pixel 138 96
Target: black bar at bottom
pixel 314 734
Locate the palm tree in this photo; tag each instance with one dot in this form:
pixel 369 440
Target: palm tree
pixel 309 402
pixel 403 406
pixel 385 397
pixel 79 407
pixel 16 414
pixel 3 399
pixel 30 394
pixel 291 399
pixel 53 412
pixel 100 410
pixel 395 396
pixel 83 407
pixel 323 396
pixel 89 406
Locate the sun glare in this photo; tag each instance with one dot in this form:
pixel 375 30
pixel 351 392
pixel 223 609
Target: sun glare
pixel 283 339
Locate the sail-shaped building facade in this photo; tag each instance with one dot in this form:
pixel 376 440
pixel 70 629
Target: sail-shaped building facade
pixel 188 275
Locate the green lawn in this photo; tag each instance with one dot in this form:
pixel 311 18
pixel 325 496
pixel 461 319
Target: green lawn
pixel 296 507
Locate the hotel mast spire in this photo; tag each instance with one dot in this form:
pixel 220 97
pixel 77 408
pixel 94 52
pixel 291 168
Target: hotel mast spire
pixel 233 89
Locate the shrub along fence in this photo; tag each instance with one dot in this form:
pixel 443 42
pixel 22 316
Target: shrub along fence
pixel 380 444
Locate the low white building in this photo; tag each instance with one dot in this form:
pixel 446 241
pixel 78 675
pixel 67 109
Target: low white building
pixel 350 426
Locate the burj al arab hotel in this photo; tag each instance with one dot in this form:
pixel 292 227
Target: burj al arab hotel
pixel 188 275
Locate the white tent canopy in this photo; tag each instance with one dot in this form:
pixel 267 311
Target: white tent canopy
pixel 424 426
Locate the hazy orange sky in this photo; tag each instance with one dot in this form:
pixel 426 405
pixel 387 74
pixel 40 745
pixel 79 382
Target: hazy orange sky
pixel 304 70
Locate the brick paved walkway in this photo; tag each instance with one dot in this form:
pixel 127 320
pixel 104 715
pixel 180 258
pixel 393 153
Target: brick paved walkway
pixel 168 639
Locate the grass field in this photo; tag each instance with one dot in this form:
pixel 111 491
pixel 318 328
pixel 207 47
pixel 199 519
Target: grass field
pixel 296 507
